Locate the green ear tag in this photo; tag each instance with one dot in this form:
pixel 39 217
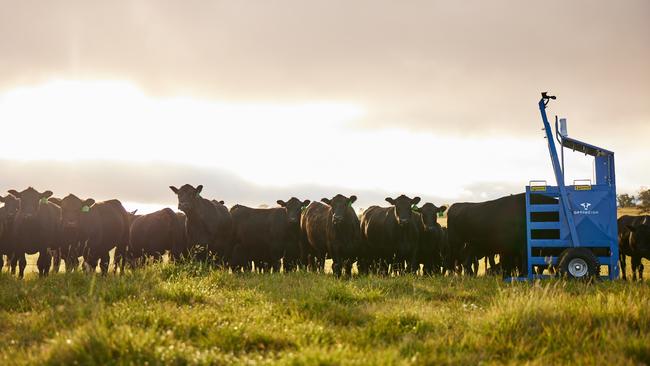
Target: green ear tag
pixel 85 209
pixel 350 204
pixel 414 208
pixel 303 208
pixel 43 201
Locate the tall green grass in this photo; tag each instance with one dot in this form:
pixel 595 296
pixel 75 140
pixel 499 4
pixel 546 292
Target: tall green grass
pixel 188 314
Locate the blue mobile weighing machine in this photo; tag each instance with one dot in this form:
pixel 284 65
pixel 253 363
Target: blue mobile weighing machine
pixel 573 228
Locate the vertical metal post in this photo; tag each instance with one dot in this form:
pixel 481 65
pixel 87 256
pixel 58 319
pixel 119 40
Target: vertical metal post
pixel 559 175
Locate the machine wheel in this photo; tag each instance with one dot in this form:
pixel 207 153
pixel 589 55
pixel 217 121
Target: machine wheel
pixel 579 263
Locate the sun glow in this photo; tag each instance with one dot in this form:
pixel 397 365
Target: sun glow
pixel 270 144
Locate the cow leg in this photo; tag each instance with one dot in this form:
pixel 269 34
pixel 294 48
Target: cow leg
pixel 467 266
pixel 71 263
pixel 105 262
pixel 2 262
pixel 56 259
pixel 90 263
pixel 44 262
pixel 120 258
pixel 640 270
pixel 636 261
pixel 336 266
pixel 276 265
pixel 623 264
pixel 13 262
pixel 383 268
pixel 414 263
pixel 22 264
pixel 237 262
pixel 362 266
pixel 347 267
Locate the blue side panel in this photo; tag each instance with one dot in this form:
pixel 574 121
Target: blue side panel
pixel 593 212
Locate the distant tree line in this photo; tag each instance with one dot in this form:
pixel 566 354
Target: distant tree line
pixel 641 201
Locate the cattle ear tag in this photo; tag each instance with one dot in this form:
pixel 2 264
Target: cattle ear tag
pixel 349 204
pixel 42 201
pixel 414 208
pixel 85 209
pixel 303 208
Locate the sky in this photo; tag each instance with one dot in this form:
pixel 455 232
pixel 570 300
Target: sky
pixel 264 100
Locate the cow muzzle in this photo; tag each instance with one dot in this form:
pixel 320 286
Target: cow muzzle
pixel 337 220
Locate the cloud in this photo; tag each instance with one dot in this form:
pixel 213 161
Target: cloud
pixel 148 184
pixel 470 67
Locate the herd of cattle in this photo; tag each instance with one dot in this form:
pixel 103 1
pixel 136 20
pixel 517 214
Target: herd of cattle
pixel 404 237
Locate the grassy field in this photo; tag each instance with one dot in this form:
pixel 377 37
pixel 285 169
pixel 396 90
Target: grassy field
pixel 185 314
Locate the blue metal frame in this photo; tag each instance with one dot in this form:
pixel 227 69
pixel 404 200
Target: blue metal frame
pixel 586 213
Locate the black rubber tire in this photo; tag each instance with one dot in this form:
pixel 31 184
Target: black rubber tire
pixel 587 256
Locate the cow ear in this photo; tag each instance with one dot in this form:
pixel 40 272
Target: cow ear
pixel 89 202
pixel 174 189
pixel 415 201
pixel 14 193
pixel 199 188
pixel 281 203
pixel 2 199
pixel 306 203
pixel 222 202
pixel 390 200
pixel 326 200
pixel 56 201
pixel 631 228
pixel 134 212
pixel 353 199
pixel 442 208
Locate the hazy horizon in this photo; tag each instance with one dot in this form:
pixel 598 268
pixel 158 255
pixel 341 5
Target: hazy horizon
pixel 260 101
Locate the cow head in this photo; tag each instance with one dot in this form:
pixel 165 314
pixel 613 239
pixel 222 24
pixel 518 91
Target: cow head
pixel 640 237
pixel 29 202
pixel 429 213
pixel 339 205
pixel 403 205
pixel 188 196
pixel 294 208
pixel 72 209
pixel 11 205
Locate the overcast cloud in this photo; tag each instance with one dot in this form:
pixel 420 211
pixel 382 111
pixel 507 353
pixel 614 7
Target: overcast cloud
pixel 457 69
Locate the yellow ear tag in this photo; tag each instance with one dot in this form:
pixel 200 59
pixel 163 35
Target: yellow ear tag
pixel 43 201
pixel 85 209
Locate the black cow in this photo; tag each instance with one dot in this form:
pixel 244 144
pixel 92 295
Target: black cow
pixel 36 229
pixel 487 228
pixel 390 235
pixel 91 229
pixel 331 230
pixel 208 225
pixel 633 240
pixel 7 216
pixel 430 249
pixel 120 256
pixel 153 234
pixel 265 235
